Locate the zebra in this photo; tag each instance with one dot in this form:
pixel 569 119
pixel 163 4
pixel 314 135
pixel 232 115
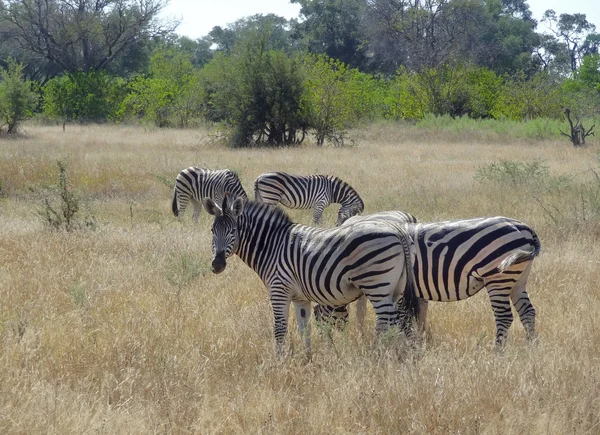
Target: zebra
pixel 456 259
pixel 310 191
pixel 194 184
pixel 338 316
pixel 301 264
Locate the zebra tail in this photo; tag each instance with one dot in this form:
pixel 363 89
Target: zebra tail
pixel 521 255
pixel 174 205
pixel 410 306
pixel 257 196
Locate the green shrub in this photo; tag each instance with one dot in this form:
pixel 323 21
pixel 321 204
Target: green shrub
pixel 522 98
pixel 61 213
pixel 170 96
pixel 89 97
pixel 326 98
pixel 255 93
pixel 16 97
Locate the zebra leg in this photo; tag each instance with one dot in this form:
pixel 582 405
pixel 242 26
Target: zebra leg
pixel 197 208
pixel 318 211
pixel 500 299
pixel 302 309
pixel 521 302
pixel 422 322
pixel 386 310
pixel 280 303
pixel 361 311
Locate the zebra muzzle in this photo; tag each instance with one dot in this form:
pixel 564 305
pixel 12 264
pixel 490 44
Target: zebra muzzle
pixel 219 263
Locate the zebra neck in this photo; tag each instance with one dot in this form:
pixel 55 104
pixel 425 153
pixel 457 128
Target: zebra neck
pixel 260 241
pixel 344 194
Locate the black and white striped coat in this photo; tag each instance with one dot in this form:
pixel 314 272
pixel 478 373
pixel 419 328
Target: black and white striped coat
pixel 309 191
pixel 456 259
pixel 194 184
pixel 301 264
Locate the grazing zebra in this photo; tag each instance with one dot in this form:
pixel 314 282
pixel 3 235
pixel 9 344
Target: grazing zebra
pixel 456 259
pixel 194 184
pixel 308 191
pixel 301 264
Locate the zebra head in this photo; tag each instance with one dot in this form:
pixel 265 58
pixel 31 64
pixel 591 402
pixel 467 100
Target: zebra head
pixel 224 229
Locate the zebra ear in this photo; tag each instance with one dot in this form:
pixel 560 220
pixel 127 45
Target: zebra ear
pixel 237 207
pixel 211 207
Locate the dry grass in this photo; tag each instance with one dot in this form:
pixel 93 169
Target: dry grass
pixel 124 329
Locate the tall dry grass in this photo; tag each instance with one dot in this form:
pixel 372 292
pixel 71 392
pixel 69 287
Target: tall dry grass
pixel 123 329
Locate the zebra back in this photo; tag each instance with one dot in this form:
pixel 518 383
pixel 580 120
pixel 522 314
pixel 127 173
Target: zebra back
pixel 194 184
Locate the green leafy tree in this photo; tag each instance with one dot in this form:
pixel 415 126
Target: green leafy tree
pixel 575 33
pixel 522 98
pixel 333 28
pixel 256 93
pixel 326 98
pixel 16 97
pixel 171 95
pixel 277 28
pixel 87 97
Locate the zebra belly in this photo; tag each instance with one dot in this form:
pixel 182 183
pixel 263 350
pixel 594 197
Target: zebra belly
pixel 329 296
pixel 435 289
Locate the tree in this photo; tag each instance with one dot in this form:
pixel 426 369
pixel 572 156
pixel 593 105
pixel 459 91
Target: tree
pixel 278 29
pixel 171 94
pixel 83 35
pixel 16 97
pixel 573 30
pixel 83 96
pixel 425 34
pixel 333 28
pixel 256 93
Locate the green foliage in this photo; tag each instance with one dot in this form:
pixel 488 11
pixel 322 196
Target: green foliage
pixel 589 72
pixel 513 173
pixel 93 96
pixel 406 98
pixel 327 98
pixel 170 96
pixel 521 98
pixel 453 90
pixel 16 97
pixel 255 93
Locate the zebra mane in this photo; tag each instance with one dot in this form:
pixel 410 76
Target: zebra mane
pixel 235 175
pixel 266 211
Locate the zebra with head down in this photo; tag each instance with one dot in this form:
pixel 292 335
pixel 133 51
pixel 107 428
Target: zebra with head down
pixel 194 184
pixel 309 191
pixel 456 259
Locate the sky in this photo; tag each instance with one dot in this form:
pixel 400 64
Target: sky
pixel 198 17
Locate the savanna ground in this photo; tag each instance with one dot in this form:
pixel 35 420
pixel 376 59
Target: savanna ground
pixel 122 328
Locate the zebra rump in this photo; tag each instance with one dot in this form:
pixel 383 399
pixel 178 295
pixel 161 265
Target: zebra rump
pixel 194 184
pixel 456 259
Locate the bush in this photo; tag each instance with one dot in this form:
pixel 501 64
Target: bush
pixel 256 94
pixel 170 96
pixel 522 98
pixel 326 98
pixel 61 213
pixel 88 97
pixel 16 97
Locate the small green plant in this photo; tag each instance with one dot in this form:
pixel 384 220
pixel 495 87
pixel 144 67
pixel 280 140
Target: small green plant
pixel 78 294
pixel 182 271
pixel 61 213
pixel 516 173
